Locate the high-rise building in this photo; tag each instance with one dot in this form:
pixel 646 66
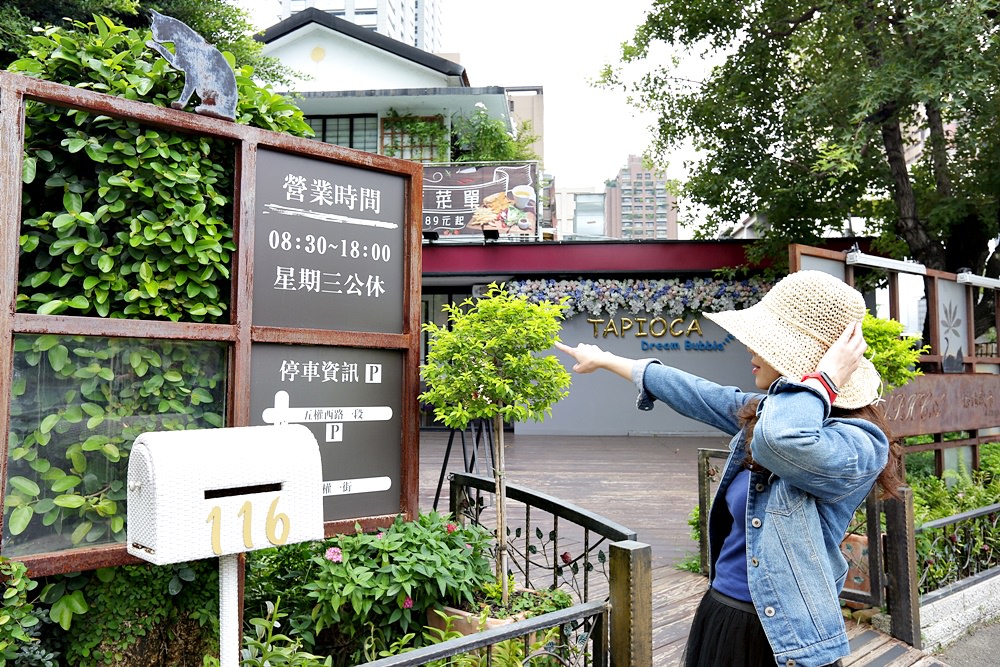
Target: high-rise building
pixel 638 205
pixel 414 22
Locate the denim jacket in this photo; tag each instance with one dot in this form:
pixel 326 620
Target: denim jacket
pixel 819 470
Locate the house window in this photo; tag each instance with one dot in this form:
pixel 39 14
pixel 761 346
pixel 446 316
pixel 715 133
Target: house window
pixel 417 138
pixel 360 132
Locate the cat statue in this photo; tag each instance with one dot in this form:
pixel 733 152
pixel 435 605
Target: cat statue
pixel 206 71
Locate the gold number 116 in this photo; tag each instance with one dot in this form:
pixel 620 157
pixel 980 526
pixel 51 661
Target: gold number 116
pixel 246 513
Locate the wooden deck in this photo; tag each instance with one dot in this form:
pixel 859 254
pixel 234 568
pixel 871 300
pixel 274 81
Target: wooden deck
pixel 648 484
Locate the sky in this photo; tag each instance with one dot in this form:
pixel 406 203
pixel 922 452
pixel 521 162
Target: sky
pixel 560 45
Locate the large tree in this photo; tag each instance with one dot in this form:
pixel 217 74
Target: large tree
pixel 806 118
pixel 221 22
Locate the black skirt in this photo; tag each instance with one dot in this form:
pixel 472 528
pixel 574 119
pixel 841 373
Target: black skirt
pixel 727 632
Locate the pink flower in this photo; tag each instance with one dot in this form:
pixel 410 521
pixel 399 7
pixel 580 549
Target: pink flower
pixel 566 558
pixel 380 536
pixel 334 554
pixel 452 528
pixel 408 603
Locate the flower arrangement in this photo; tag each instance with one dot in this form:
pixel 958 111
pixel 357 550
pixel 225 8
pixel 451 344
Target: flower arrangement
pixel 372 588
pixel 673 297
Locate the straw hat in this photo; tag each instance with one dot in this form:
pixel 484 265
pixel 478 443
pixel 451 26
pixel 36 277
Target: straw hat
pixel 795 323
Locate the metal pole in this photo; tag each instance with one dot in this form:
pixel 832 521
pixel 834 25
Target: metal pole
pixel 229 611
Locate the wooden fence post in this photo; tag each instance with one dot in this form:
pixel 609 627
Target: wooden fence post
pixel 901 568
pixel 631 597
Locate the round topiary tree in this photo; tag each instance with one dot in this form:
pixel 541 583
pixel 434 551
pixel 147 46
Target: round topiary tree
pixel 483 365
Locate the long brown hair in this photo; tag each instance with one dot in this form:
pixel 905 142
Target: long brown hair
pixel 891 477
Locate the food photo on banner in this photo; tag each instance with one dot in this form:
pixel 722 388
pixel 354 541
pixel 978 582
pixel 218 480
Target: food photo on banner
pixel 462 201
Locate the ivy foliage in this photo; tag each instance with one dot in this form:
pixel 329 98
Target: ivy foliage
pixel 121 220
pixel 71 433
pixel 141 609
pixel 479 138
pixel 15 611
pixel 471 138
pixel 484 363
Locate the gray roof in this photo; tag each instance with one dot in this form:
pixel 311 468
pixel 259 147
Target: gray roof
pixel 312 15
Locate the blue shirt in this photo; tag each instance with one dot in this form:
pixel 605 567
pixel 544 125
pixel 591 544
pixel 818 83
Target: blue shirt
pixel 819 471
pixel 731 566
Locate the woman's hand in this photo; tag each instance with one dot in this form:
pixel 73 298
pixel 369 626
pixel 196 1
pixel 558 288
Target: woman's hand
pixel 590 358
pixel 587 357
pixel 844 356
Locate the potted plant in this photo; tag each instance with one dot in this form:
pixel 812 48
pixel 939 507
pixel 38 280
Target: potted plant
pixel 484 365
pixel 372 589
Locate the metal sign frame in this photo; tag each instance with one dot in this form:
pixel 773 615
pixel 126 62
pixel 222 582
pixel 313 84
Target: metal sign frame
pixel 240 333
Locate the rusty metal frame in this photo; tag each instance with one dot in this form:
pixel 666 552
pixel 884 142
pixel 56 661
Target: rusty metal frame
pixel 239 333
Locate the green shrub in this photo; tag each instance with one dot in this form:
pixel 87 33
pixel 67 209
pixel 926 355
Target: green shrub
pixel 102 615
pixel 894 356
pixel 373 588
pixel 266 648
pixel 283 572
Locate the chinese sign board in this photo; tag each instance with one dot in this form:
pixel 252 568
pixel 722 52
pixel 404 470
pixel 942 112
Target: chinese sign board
pixel 465 200
pixel 328 246
pixel 351 399
pixel 329 254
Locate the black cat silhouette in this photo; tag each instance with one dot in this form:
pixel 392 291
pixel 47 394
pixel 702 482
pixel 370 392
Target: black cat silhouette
pixel 206 71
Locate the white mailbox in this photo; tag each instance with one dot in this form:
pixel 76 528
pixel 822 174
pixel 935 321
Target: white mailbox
pixel 211 492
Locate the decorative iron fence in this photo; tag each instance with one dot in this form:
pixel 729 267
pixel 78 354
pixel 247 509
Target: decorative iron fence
pixel 554 639
pixel 556 544
pixel 957 547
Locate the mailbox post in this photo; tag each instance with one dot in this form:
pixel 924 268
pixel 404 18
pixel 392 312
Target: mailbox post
pixel 221 492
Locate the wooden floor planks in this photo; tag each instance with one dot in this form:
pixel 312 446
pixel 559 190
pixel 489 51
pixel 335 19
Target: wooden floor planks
pixel 648 484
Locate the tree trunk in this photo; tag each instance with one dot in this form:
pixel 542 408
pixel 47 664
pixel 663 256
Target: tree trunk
pixel 938 146
pixel 923 249
pixel 500 477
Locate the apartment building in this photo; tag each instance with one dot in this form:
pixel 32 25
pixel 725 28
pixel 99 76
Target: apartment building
pixel 638 205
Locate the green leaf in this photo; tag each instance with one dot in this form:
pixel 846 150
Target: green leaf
pixel 69 501
pixel 63 609
pixel 50 307
pixel 65 483
pixel 19 519
pixel 80 532
pixel 58 356
pixel 74 145
pixel 72 202
pixel 49 422
pixel 28 170
pixel 25 486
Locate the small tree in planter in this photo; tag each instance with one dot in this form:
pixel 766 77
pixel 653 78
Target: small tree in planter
pixel 483 366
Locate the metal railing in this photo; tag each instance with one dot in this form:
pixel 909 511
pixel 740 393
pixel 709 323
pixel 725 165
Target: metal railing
pixel 956 548
pixel 556 544
pixel 517 643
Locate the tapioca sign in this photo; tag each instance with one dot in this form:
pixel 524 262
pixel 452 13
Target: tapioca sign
pixel 329 245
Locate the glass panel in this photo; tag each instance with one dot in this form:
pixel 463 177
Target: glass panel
pixel 366 134
pixel 77 405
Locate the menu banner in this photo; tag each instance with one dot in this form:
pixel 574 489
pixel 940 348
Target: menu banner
pixel 463 200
